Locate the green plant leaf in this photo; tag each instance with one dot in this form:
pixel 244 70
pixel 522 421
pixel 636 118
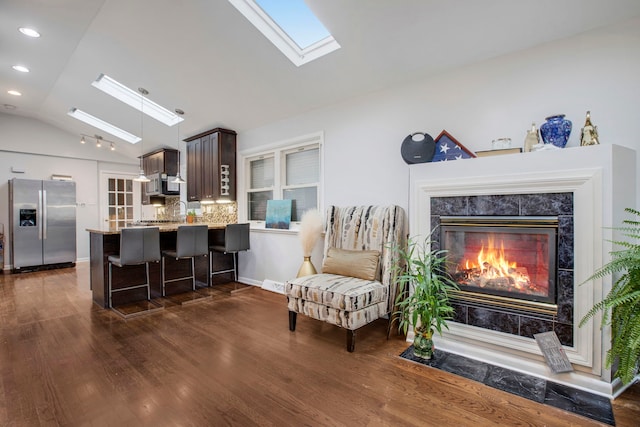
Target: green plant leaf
pixel 423 296
pixel 621 306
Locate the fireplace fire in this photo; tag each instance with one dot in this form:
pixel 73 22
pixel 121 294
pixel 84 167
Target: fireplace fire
pixel 502 260
pixel 492 269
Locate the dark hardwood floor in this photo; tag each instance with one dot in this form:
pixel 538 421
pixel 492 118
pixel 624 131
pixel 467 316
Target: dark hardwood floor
pixel 228 360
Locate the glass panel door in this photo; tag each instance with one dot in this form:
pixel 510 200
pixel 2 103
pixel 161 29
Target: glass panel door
pixel 121 200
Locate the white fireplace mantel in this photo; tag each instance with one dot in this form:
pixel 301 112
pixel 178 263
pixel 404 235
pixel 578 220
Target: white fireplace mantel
pixel 602 179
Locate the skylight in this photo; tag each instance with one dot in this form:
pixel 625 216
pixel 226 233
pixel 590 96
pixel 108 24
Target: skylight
pixel 105 126
pixel 291 26
pixel 295 19
pixel 136 100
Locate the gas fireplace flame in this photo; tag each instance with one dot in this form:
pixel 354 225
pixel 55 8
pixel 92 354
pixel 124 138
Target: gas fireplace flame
pixel 490 268
pixel 492 263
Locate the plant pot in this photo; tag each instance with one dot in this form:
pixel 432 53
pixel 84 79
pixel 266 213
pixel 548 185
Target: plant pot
pixel 190 219
pixel 423 344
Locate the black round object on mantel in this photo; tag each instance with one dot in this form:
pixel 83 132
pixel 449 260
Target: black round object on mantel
pixel 419 147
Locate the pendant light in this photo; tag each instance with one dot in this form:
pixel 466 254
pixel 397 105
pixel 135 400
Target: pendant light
pixel 178 179
pixel 141 177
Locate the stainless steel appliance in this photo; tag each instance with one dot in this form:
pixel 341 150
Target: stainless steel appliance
pixel 42 216
pixel 160 184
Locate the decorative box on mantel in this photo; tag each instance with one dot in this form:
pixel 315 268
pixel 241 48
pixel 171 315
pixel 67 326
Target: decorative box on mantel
pixel 580 193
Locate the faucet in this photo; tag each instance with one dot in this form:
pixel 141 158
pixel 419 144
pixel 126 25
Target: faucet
pixel 177 215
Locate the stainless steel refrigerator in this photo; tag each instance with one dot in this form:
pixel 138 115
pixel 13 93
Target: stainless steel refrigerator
pixel 42 216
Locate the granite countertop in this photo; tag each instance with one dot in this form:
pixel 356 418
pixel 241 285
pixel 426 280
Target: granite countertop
pixel 164 227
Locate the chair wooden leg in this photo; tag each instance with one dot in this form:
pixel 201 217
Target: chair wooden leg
pixel 292 320
pixel 351 340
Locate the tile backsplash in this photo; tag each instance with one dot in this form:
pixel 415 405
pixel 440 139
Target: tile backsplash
pixel 223 213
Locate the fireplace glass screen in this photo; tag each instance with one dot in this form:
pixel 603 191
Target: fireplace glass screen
pixel 512 257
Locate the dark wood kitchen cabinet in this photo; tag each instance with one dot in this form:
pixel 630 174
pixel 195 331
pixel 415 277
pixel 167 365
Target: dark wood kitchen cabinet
pixel 194 169
pixel 164 160
pixel 211 166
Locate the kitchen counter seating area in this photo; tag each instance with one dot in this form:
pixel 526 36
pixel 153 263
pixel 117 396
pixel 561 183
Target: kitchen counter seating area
pixel 106 242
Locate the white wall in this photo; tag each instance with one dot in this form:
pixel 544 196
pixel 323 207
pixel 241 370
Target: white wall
pixel 596 71
pixel 26 135
pixel 58 153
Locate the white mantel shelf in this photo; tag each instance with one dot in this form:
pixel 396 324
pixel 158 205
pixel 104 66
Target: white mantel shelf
pixel 602 179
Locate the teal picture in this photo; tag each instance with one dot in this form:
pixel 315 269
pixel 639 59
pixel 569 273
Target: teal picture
pixel 278 214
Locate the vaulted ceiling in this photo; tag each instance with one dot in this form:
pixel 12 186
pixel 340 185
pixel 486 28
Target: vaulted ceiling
pixel 204 57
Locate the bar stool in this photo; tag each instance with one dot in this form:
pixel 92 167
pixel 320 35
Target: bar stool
pixel 191 241
pixel 236 239
pixel 137 246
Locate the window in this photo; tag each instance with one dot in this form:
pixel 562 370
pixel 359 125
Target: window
pixel 291 172
pixel 301 175
pixel 261 188
pixel 291 26
pixel 296 19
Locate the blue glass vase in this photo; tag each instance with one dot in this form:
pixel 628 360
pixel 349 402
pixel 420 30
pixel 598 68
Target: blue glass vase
pixel 556 130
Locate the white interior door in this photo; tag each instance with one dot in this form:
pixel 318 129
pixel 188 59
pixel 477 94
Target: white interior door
pixel 120 201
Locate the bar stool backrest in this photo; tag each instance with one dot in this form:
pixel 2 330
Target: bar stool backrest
pixel 139 245
pixel 192 240
pixel 236 238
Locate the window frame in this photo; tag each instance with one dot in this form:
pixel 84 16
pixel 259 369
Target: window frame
pixel 283 41
pixel 279 151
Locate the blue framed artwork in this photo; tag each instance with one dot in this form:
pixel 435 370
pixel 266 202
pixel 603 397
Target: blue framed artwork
pixel 278 214
pixel 447 148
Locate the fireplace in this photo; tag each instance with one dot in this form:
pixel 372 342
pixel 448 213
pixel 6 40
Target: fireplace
pixel 586 189
pixel 537 229
pixel 504 261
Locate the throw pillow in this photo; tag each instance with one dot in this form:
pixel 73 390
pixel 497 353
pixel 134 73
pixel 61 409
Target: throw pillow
pixel 360 264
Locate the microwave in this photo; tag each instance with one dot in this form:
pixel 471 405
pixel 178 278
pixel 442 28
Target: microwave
pixel 161 185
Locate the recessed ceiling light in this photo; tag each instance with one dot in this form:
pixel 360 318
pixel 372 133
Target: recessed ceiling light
pixel 20 68
pixel 14 93
pixel 9 106
pixel 101 124
pixel 135 100
pixel 30 32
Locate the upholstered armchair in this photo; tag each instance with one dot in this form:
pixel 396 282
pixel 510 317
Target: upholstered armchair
pixel 356 285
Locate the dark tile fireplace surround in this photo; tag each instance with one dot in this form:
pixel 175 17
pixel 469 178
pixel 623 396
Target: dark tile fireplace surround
pixel 544 204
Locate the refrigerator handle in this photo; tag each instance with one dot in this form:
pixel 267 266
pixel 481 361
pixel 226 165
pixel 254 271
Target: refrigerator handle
pixel 39 213
pixel 44 215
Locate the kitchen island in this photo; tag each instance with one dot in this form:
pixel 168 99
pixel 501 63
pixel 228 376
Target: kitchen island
pixel 105 242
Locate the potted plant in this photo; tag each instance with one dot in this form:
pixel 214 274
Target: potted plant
pixel 621 307
pixel 191 216
pixel 423 294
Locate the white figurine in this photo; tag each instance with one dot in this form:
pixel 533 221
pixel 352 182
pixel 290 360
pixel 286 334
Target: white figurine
pixel 532 139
